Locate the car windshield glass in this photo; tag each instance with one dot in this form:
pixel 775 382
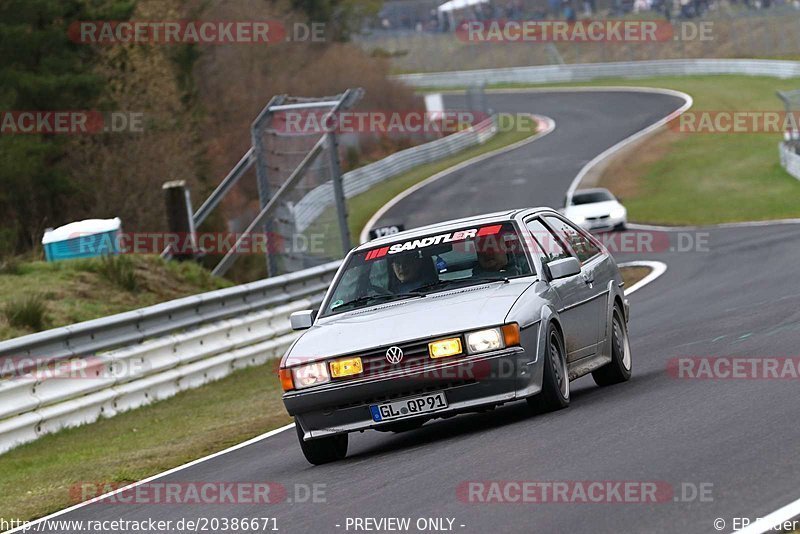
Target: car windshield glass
pixel 439 261
pixel 591 197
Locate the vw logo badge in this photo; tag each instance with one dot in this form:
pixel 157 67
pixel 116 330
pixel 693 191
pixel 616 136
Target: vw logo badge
pixel 394 355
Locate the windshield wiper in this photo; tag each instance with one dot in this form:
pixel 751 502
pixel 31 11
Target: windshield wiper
pixel 447 283
pixel 370 298
pixel 503 279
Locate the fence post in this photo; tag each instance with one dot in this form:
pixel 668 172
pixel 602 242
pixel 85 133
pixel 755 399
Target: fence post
pixel 180 221
pixel 338 190
pixel 262 173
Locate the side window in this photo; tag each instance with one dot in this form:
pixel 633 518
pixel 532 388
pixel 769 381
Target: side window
pixel 551 248
pixel 582 245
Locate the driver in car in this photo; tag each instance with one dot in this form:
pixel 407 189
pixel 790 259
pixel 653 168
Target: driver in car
pixel 493 258
pixel 408 271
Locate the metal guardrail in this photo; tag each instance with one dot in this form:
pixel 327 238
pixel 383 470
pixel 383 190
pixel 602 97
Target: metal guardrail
pixel 123 361
pixel 362 179
pixel 790 159
pixel 591 71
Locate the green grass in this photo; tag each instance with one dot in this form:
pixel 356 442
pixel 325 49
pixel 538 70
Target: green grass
pixel 709 178
pixel 79 290
pixel 39 478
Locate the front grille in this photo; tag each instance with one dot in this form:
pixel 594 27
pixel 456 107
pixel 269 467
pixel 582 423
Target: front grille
pixel 600 218
pixel 415 355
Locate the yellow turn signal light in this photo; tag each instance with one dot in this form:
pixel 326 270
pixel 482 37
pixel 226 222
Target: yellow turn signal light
pixel 445 347
pixel 346 367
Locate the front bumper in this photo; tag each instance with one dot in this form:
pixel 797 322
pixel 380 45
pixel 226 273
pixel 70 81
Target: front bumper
pixel 469 383
pixel 608 223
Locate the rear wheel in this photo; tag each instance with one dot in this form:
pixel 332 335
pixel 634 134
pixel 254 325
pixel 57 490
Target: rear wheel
pixel 555 382
pixel 322 450
pixel 619 369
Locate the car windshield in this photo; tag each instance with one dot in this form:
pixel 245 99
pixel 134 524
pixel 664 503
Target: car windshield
pixel 591 197
pixel 416 267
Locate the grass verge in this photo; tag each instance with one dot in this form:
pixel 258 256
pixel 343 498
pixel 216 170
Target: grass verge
pixel 631 275
pixel 42 477
pixel 38 295
pixel 677 178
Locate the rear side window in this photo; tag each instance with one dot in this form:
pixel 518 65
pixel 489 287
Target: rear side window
pixel 584 248
pixel 552 249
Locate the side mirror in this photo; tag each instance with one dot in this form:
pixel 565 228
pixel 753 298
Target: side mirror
pixel 303 319
pixel 564 268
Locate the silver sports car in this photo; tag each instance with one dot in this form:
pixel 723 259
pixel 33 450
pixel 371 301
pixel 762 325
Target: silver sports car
pixel 455 317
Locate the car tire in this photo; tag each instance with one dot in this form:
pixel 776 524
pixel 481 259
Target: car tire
pixel 621 227
pixel 619 369
pixel 555 379
pixel 323 450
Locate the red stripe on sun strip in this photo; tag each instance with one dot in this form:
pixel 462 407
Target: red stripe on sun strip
pixel 490 230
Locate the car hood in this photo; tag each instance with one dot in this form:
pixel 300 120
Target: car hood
pixel 596 209
pixel 437 314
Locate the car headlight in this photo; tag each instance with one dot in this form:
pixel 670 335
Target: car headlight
pixel 485 340
pixel 618 213
pixel 492 338
pixel 577 219
pixel 312 374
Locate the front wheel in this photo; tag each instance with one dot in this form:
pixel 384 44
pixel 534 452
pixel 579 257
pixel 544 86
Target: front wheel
pixel 619 369
pixel 322 450
pixel 555 382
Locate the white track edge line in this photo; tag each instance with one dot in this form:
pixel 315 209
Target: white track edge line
pixel 548 124
pixel 256 439
pixel 657 268
pixel 769 522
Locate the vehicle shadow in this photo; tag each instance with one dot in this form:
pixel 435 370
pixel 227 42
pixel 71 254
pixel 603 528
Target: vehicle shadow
pixel 517 412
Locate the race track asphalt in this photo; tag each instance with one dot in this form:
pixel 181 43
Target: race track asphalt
pixel 734 294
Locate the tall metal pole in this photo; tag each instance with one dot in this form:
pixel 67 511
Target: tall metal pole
pixel 338 190
pixel 262 171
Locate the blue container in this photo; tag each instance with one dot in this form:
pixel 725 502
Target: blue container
pixel 84 239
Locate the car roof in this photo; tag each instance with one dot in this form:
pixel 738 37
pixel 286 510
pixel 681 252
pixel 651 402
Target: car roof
pixel 453 224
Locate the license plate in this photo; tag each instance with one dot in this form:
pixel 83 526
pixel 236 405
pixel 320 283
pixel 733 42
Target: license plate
pixel 408 407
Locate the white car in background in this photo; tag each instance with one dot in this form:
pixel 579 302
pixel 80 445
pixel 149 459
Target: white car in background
pixel 596 209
